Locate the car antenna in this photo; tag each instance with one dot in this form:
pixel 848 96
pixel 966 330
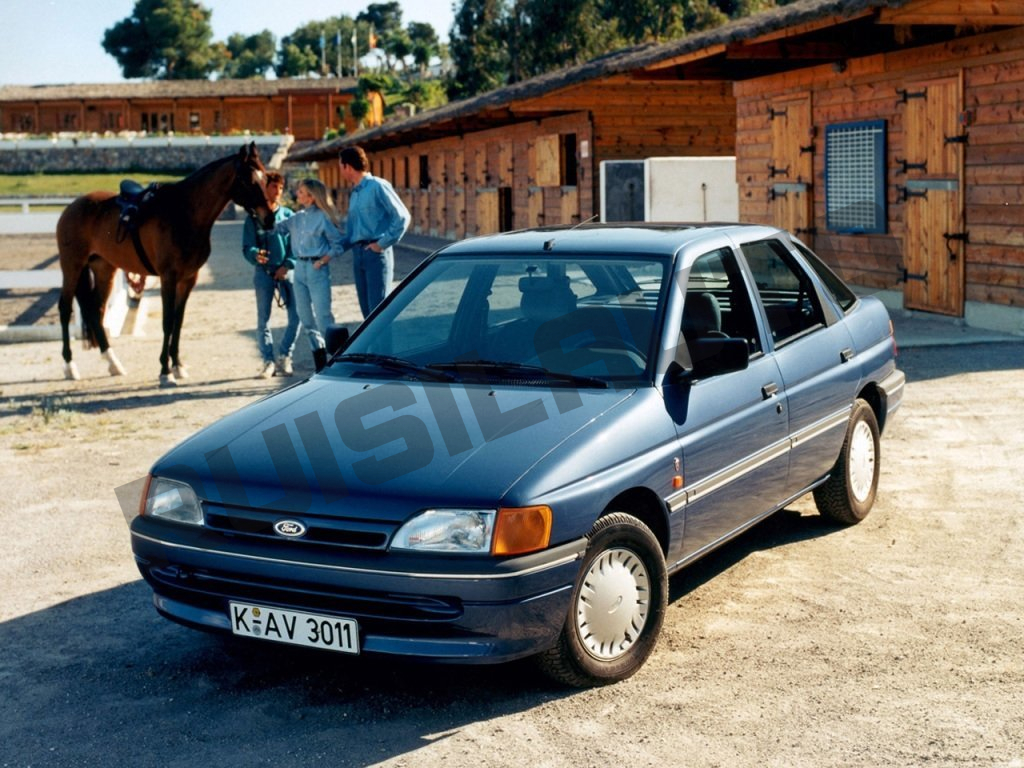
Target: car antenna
pixel 585 221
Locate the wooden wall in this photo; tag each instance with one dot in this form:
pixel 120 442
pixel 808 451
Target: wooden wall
pixel 543 171
pixel 488 181
pixel 991 69
pixel 307 116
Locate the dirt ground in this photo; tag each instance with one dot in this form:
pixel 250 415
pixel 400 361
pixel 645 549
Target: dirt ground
pixel 895 642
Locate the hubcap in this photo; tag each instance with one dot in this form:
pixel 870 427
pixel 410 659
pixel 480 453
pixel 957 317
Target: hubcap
pixel 862 461
pixel 613 604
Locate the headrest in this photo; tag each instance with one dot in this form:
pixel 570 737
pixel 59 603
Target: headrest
pixel 545 298
pixel 701 314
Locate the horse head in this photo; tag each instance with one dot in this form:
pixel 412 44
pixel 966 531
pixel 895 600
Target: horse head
pixel 250 186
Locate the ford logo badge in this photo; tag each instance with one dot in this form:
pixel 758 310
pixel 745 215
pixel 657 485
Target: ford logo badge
pixel 291 529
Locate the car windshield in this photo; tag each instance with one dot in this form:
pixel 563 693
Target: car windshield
pixel 579 321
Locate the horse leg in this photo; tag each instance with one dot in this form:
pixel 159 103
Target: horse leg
pixel 184 290
pixel 64 306
pixel 104 275
pixel 167 290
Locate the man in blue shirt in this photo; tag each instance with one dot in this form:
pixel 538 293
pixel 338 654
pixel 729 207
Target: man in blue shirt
pixel 377 219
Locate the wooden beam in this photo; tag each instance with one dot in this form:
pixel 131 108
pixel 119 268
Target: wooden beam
pixel 686 58
pixel 790 50
pixel 956 13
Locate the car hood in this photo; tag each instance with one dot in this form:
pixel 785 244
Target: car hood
pixel 326 443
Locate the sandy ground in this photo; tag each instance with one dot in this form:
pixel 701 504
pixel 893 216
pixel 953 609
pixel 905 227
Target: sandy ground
pixel 895 642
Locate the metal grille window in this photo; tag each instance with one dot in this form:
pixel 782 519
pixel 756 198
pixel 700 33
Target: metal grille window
pixel 855 177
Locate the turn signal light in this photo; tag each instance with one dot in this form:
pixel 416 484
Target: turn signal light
pixel 519 530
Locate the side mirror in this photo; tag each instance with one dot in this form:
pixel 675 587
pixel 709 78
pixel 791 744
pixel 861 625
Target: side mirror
pixel 336 338
pixel 713 355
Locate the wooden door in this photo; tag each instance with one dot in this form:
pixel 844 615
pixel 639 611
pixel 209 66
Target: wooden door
pixel 935 237
pixel 791 170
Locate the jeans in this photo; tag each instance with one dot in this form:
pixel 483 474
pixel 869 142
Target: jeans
pixel 373 273
pixel 264 285
pixel 313 299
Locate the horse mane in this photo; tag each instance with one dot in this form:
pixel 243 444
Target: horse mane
pixel 199 175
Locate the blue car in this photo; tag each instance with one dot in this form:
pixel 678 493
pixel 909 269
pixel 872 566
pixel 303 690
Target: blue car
pixel 511 456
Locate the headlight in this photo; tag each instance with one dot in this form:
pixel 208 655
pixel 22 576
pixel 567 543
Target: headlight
pixel 171 500
pixel 505 531
pixel 448 530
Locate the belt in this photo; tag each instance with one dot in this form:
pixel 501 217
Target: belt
pixel 364 243
pixel 310 258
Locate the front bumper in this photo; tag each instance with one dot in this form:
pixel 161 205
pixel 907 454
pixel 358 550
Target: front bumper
pixel 438 608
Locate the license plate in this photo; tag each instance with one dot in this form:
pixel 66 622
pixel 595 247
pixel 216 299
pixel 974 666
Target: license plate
pixel 308 629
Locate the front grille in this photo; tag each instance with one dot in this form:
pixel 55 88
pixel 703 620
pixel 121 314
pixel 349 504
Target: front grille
pixel 326 531
pixel 211 588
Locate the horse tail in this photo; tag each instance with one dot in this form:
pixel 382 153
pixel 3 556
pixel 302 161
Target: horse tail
pixel 86 292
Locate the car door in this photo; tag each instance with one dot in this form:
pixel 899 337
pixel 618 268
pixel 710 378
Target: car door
pixel 813 350
pixel 732 425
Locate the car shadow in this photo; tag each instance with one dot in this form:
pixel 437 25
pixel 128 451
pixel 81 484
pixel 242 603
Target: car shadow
pixel 937 362
pixel 785 527
pixel 103 680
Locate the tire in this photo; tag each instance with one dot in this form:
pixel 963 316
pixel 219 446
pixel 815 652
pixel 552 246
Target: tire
pixel 849 493
pixel 617 607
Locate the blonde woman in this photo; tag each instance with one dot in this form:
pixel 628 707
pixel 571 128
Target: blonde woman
pixel 315 239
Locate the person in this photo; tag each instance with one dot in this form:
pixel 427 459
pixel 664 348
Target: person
pixel 377 219
pixel 269 252
pixel 315 239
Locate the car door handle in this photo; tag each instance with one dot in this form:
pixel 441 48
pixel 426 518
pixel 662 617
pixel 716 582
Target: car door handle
pixel 846 355
pixel 769 390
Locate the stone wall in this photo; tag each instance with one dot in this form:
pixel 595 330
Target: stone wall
pixel 163 155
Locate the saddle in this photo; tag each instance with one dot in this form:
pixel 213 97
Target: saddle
pixel 132 200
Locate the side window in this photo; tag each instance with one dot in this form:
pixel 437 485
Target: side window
pixel 840 292
pixel 787 293
pixel 717 301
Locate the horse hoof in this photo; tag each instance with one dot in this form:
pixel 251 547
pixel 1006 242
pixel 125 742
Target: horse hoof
pixel 180 372
pixel 113 364
pixel 71 372
pixel 168 380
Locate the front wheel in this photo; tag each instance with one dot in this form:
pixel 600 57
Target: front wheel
pixel 849 493
pixel 617 607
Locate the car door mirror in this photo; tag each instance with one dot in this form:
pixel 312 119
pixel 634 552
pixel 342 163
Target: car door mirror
pixel 336 338
pixel 712 355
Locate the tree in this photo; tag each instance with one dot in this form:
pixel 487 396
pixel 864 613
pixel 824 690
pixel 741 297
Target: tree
pixel 548 34
pixel 641 20
pixel 425 44
pixel 251 56
pixel 478 49
pixel 320 47
pixel 164 39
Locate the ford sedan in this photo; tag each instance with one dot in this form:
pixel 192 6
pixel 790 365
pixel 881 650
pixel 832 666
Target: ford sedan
pixel 512 455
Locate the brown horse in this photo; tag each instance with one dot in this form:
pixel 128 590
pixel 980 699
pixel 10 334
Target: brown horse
pixel 174 235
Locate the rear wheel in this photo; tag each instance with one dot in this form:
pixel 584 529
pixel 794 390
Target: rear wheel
pixel 849 493
pixel 617 607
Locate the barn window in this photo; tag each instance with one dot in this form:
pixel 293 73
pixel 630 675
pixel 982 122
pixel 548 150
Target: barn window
pixel 567 160
pixel 424 172
pixel 194 121
pixel 855 177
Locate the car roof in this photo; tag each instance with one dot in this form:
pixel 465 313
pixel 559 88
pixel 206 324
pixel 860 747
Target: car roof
pixel 617 239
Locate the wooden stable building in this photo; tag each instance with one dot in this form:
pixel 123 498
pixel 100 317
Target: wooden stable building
pixel 305 108
pixel 890 136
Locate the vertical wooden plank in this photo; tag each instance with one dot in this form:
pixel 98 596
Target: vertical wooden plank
pixel 935 207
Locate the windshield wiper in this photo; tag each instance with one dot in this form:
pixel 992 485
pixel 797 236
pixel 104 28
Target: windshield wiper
pixel 397 364
pixel 517 370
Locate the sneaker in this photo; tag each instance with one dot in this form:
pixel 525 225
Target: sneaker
pixel 284 367
pixel 266 370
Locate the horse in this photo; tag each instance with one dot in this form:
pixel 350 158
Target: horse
pixel 172 240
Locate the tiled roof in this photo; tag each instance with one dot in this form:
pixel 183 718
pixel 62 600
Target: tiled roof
pixel 175 89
